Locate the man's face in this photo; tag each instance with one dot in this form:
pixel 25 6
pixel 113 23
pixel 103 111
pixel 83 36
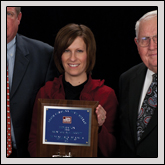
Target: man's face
pixel 13 21
pixel 148 54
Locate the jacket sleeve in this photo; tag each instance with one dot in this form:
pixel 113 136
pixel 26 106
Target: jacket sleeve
pixel 106 137
pixel 32 143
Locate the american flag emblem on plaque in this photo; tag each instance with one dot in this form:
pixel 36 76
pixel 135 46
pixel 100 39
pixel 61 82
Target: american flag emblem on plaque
pixel 67 120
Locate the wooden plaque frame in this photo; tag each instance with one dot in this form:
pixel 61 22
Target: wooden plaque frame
pixel 48 150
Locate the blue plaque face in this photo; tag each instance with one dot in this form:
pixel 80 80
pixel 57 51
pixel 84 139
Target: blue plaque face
pixel 67 125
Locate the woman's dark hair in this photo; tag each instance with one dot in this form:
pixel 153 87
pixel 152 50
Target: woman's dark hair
pixel 65 38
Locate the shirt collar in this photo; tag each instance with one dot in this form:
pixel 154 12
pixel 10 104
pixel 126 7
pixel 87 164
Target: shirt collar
pixel 150 73
pixel 11 43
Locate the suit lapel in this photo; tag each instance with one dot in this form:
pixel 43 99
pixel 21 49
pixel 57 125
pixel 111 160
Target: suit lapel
pixel 136 86
pixel 21 64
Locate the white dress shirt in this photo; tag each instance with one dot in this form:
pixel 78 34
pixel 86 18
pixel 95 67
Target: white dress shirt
pixel 11 49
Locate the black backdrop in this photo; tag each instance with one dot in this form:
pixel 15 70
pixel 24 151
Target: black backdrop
pixel 113 27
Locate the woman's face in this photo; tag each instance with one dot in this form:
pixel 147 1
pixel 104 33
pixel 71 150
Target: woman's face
pixel 74 59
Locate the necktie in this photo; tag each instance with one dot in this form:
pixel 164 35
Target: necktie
pixel 9 146
pixel 148 107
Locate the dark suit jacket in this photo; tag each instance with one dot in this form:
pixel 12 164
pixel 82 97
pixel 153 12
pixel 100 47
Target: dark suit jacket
pixel 130 88
pixel 33 67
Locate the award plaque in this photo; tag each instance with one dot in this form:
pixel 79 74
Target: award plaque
pixel 67 128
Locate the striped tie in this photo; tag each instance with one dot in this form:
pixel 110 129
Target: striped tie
pixel 9 146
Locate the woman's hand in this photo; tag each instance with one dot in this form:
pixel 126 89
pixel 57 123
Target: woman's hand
pixel 101 115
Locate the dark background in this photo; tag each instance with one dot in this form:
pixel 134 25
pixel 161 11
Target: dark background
pixel 113 28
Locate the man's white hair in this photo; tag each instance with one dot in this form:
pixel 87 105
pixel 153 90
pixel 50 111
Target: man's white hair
pixel 144 17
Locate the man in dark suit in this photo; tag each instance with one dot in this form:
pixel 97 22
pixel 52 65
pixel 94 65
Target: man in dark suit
pixel 30 64
pixel 133 86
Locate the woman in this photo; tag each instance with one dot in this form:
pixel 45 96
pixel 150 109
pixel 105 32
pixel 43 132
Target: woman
pixel 74 56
